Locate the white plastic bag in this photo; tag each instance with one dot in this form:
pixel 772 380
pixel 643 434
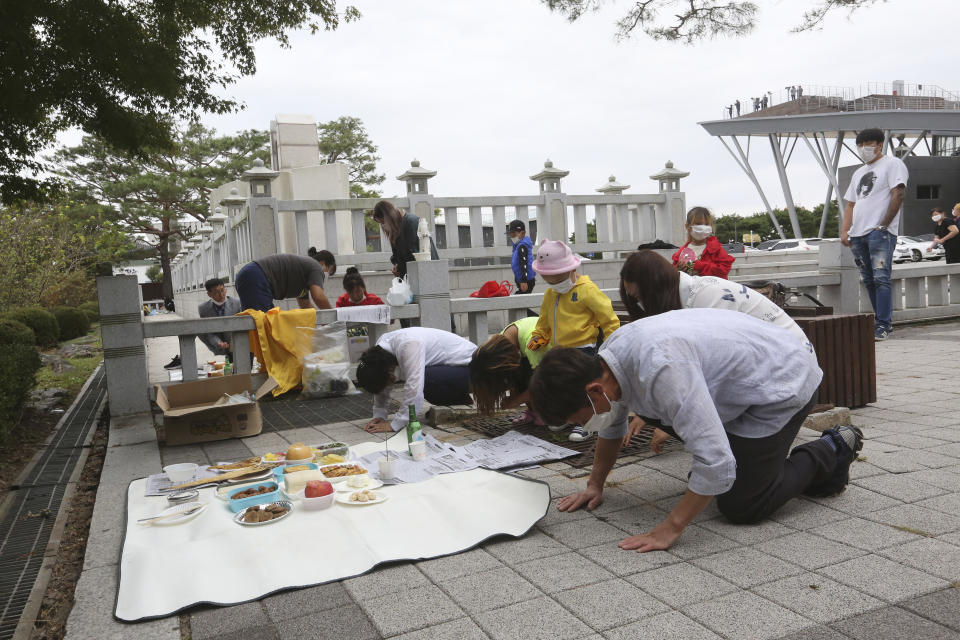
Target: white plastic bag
pixel 400 292
pixel 326 361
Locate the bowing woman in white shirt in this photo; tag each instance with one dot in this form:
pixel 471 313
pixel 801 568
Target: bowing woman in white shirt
pixel 432 363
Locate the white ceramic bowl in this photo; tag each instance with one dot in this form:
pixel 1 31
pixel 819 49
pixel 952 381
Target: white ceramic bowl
pixel 290 463
pixel 315 504
pixel 181 472
pixel 359 481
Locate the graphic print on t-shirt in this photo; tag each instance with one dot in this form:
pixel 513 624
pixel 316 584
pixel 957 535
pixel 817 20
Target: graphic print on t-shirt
pixel 865 188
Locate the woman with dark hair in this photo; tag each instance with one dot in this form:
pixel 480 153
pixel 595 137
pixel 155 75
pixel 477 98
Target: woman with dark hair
pixel 325 258
pixel 945 234
pixel 649 285
pixel 401 230
pixel 356 291
pixel 431 362
pixel 503 365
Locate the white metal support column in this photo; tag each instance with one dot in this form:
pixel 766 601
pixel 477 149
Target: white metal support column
pixel 743 161
pixel 785 183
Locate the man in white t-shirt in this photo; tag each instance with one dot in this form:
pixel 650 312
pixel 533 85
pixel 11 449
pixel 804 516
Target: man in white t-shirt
pixel 871 220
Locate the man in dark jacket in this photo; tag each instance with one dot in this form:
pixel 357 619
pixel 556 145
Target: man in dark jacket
pixel 522 257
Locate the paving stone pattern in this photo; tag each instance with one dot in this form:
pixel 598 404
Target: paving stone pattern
pixel 881 561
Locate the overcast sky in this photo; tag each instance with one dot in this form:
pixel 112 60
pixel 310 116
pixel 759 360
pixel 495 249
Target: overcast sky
pixel 484 92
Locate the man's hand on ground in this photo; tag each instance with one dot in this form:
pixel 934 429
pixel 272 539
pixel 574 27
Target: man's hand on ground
pixel 656 442
pixel 590 497
pixel 378 425
pixel 661 538
pixel 633 429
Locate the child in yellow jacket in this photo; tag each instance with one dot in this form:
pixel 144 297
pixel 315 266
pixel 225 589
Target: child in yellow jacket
pixel 573 311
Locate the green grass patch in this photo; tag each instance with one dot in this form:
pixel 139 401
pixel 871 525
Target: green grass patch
pixel 73 379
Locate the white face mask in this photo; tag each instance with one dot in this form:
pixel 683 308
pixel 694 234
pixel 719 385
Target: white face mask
pixel 601 421
pixel 937 218
pixel 867 154
pixel 700 231
pixel 563 287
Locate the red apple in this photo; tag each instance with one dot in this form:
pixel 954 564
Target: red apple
pixel 318 489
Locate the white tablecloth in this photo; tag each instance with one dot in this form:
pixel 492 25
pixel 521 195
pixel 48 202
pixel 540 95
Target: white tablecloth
pixel 212 559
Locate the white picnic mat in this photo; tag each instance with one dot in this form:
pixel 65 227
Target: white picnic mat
pixel 212 559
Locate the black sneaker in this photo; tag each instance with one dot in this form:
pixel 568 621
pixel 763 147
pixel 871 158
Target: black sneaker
pixel 846 454
pixel 173 364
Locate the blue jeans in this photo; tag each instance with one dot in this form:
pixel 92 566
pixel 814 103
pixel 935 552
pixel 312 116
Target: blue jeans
pixel 874 256
pixel 253 288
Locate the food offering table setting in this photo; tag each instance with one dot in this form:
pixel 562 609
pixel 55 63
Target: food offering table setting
pixel 238 531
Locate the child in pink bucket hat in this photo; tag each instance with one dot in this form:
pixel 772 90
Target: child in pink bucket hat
pixel 574 310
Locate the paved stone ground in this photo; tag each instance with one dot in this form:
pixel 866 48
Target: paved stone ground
pixel 881 561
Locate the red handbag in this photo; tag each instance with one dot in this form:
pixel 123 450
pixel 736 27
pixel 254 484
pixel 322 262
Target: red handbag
pixel 493 289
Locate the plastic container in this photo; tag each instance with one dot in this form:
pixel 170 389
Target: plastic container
pixel 239 505
pixel 278 472
pixel 316 504
pixel 337 448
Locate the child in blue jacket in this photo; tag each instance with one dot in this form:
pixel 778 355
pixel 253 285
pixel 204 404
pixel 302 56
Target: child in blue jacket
pixel 522 257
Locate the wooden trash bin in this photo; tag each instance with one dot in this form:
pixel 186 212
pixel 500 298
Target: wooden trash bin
pixel 846 352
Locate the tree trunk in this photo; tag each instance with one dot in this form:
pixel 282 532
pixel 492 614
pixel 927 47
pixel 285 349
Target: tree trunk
pixel 163 248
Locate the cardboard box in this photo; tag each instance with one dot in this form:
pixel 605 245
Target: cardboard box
pixel 190 415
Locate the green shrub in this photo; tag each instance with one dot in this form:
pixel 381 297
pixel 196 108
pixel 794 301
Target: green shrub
pixel 18 365
pixel 43 323
pixel 92 309
pixel 73 322
pixel 13 332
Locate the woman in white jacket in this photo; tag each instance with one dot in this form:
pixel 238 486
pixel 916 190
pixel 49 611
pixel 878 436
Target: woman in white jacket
pixel 650 285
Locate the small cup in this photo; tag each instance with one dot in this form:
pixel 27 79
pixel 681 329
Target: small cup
pixel 388 468
pixel 418 449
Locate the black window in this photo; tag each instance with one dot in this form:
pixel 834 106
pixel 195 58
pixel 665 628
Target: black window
pixel 928 192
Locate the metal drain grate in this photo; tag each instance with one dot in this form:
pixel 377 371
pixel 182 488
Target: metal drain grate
pixel 25 528
pixel 284 413
pixel 498 425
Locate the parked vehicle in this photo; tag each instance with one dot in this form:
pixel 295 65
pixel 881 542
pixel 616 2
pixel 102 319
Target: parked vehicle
pixel 914 249
pixel 734 247
pixel 793 246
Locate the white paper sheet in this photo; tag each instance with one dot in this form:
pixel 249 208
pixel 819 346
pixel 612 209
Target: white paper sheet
pixel 375 313
pixel 211 559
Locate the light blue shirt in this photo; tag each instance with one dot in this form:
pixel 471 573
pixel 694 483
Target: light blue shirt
pixel 707 373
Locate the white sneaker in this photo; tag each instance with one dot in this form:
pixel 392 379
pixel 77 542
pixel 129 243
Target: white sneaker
pixel 578 434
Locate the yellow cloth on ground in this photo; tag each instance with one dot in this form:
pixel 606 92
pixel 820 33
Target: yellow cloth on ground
pixel 274 343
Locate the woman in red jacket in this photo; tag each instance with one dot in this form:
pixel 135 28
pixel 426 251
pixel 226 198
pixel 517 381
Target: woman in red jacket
pixel 702 255
pixel 356 291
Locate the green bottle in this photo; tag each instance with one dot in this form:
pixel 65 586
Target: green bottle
pixel 414 430
pixel 227 368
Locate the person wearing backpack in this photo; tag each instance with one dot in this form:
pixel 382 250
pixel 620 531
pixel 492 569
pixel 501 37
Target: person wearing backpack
pixel 522 258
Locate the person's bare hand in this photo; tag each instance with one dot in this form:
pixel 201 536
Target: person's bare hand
pixel 395 272
pixel 523 287
pixel 223 345
pixel 635 427
pixel 656 442
pixel 845 239
pixel 378 425
pixel 660 538
pixel 591 497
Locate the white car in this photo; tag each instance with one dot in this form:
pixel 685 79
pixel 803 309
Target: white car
pixel 795 246
pixel 914 249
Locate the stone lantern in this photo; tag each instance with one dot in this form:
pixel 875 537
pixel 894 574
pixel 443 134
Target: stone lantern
pixel 217 219
pixel 416 177
pixel 259 178
pixel 669 178
pixel 613 188
pixel 549 178
pixel 233 203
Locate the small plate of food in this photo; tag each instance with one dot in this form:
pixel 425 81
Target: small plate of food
pixel 340 472
pixel 264 513
pixel 362 497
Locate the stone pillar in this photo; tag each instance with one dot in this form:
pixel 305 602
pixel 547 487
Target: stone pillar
pixel 430 283
pixel 264 218
pixel 670 216
pixel 418 193
pixel 554 224
pixel 124 355
pixel 838 259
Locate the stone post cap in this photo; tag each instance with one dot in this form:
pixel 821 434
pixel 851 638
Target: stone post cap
pixel 669 173
pixel 258 172
pixel 549 171
pixel 613 187
pixel 416 172
pixel 233 199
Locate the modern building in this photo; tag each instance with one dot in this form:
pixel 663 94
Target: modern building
pixel 921 124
